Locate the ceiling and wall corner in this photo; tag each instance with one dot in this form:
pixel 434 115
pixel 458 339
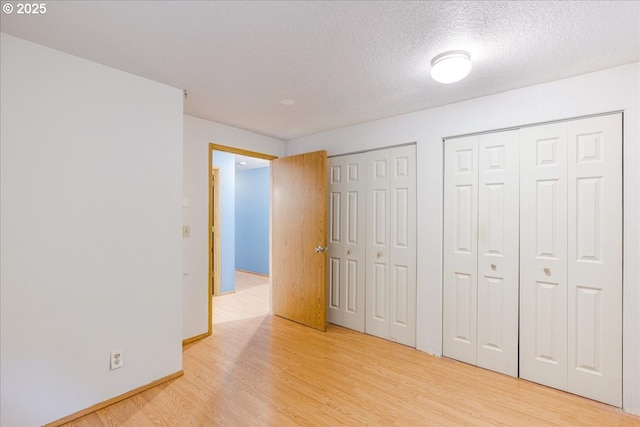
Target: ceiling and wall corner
pixel 341 62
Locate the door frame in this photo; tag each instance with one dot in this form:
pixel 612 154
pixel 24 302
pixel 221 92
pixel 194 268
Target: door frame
pixel 214 238
pixel 213 226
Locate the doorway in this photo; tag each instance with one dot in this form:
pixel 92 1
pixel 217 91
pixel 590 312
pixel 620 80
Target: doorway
pixel 222 218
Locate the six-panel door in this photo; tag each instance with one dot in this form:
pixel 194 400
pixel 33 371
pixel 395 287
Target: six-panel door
pixel 372 240
pixel 390 285
pixel 498 245
pixel 346 242
pixel 460 281
pixel 595 258
pixel 543 255
pixel 481 251
pixel 571 257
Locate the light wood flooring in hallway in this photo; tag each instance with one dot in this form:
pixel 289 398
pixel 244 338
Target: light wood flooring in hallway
pixel 261 370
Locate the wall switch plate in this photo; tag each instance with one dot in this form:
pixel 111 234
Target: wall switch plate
pixel 116 359
pixel 186 231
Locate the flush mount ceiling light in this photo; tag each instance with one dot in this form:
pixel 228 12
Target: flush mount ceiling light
pixel 287 102
pixel 451 66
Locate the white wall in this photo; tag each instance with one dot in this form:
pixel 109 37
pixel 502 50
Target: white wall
pixel 91 185
pixel 604 91
pixel 198 134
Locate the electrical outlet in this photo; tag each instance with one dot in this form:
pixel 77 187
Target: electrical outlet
pixel 186 231
pixel 116 359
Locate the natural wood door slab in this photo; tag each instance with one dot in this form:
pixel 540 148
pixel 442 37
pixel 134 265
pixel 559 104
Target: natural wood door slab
pixel 299 197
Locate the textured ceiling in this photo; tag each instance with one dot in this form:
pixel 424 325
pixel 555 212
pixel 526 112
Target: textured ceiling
pixel 342 62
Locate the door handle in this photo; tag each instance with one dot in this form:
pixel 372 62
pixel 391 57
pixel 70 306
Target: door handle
pixel 320 249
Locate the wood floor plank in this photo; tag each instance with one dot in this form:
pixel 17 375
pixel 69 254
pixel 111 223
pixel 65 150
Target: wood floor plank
pixel 261 370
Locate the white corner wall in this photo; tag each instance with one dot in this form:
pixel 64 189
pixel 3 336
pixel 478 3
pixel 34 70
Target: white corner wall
pixel 604 91
pixel 198 134
pixel 91 187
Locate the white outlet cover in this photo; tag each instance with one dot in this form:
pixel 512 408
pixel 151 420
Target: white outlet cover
pixel 117 359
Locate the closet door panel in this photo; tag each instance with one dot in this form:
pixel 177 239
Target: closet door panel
pixel 377 248
pixel 335 242
pixel 346 242
pixel 498 246
pixel 355 244
pixel 543 255
pixel 595 258
pixel 402 277
pixel 460 249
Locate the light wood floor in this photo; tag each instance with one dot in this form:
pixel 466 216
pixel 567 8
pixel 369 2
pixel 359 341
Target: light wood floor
pixel 257 369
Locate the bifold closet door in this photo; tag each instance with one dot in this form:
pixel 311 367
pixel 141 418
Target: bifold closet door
pixel 595 258
pixel 391 245
pixel 571 257
pixel 481 251
pixel 543 255
pixel 460 285
pixel 346 242
pixel 498 257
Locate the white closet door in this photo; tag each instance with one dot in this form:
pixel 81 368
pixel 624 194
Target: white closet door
pixel 498 246
pixel 543 255
pixel 335 242
pixel 346 253
pixel 391 245
pixel 460 249
pixel 377 256
pixel 402 239
pixel 595 258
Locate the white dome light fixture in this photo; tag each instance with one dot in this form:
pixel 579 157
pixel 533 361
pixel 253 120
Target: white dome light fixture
pixel 451 66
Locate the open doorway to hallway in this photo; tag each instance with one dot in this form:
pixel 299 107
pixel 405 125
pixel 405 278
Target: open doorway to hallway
pixel 240 226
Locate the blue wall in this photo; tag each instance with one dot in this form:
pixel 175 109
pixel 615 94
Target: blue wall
pixel 226 163
pixel 252 220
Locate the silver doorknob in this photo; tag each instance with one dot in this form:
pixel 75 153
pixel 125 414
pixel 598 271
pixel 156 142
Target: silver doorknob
pixel 493 267
pixel 547 271
pixel 320 249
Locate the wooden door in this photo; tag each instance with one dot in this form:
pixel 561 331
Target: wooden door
pixel 346 241
pixel 594 288
pixel 460 249
pixel 498 246
pixel 543 255
pixel 299 235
